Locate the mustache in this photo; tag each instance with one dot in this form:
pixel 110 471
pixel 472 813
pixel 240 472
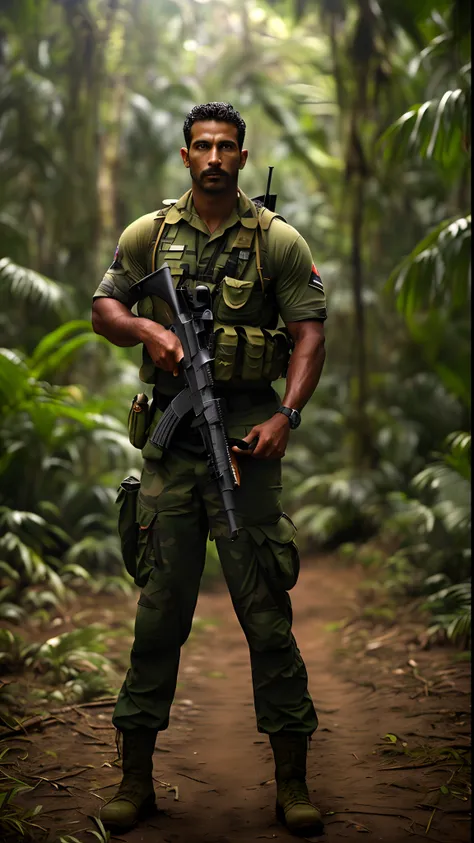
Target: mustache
pixel 213 173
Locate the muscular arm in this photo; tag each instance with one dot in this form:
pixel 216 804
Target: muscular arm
pixel 306 362
pixel 114 321
pixel 304 371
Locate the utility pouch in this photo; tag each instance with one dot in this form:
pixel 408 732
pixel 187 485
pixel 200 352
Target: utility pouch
pixel 278 346
pixel 225 352
pixel 139 421
pixel 253 352
pixel 238 300
pixel 128 530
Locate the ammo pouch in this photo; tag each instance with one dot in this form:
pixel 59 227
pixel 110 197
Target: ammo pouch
pixel 250 353
pixel 139 421
pixel 277 552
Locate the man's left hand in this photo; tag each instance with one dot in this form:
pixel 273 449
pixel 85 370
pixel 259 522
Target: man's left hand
pixel 272 439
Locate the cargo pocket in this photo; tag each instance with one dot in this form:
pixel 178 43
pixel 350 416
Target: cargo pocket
pixel 253 352
pixel 277 551
pixel 148 555
pixel 127 500
pixel 225 353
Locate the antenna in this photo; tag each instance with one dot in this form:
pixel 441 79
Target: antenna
pixel 267 191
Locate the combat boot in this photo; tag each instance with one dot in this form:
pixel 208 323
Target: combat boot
pixel 293 806
pixel 135 797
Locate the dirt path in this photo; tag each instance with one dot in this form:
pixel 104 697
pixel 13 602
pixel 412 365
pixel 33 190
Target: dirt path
pixel 219 767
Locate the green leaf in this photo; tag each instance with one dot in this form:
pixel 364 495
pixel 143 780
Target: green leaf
pixel 29 286
pixel 51 341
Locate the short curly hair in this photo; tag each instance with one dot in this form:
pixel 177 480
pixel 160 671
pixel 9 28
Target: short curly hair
pixel 222 112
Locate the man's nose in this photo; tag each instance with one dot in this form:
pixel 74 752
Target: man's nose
pixel 214 156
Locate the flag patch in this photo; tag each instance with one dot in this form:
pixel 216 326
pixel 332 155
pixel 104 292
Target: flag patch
pixel 116 263
pixel 315 280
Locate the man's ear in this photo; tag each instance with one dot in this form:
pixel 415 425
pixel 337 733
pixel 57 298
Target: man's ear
pixel 185 156
pixel 243 158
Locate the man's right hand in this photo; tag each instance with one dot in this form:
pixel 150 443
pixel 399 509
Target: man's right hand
pixel 113 320
pixel 163 346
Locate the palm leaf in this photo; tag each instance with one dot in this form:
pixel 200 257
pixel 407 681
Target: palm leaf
pixel 29 286
pixel 438 129
pixel 437 273
pixel 53 340
pixel 13 378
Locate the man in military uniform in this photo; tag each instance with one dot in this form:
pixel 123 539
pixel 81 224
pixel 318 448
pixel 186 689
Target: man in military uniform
pixel 268 300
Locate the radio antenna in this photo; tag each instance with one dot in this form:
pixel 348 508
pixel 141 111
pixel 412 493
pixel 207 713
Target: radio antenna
pixel 269 183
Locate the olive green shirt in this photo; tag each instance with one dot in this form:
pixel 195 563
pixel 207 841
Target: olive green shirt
pixel 299 290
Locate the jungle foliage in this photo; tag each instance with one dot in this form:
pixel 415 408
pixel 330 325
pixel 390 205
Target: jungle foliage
pixel 364 111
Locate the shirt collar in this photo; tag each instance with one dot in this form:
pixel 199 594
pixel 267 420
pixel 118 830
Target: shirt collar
pixel 244 212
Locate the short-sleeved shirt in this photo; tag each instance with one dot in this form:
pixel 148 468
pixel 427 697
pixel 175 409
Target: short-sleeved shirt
pixel 299 291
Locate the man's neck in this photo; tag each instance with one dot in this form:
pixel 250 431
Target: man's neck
pixel 214 209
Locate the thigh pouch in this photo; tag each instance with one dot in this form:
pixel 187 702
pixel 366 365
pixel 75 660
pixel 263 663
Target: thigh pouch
pixel 277 552
pixel 137 531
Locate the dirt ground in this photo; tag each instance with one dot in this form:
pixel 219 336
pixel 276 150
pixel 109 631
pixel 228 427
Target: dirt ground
pixel 213 771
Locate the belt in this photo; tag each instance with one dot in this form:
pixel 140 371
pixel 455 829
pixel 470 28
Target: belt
pixel 235 402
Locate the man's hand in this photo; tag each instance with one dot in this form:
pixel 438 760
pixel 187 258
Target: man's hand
pixel 163 346
pixel 272 439
pixel 113 320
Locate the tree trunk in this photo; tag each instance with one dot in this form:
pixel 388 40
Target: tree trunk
pixel 363 448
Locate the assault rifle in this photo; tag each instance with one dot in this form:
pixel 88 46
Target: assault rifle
pixel 192 322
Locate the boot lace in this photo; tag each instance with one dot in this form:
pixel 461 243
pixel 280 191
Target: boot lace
pixel 293 792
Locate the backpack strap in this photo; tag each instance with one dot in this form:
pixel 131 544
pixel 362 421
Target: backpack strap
pixel 165 216
pixel 265 219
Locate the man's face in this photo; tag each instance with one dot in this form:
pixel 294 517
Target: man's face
pixel 214 158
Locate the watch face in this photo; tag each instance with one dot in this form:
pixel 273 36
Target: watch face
pixel 295 419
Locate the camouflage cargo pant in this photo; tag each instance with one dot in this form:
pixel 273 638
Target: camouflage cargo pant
pixel 178 507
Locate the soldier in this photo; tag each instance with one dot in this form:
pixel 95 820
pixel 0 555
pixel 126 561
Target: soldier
pixel 261 274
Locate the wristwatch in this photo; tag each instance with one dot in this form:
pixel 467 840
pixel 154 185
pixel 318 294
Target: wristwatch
pixel 293 416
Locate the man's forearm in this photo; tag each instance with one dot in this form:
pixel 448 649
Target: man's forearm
pixel 116 323
pixel 306 365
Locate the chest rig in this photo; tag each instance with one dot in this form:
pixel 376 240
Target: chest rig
pixel 249 348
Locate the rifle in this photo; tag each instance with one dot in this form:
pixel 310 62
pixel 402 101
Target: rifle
pixel 193 325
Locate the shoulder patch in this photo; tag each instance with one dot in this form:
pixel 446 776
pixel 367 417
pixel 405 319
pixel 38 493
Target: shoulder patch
pixel 315 280
pixel 116 264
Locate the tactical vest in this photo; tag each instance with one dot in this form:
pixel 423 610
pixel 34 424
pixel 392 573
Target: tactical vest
pixel 249 348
